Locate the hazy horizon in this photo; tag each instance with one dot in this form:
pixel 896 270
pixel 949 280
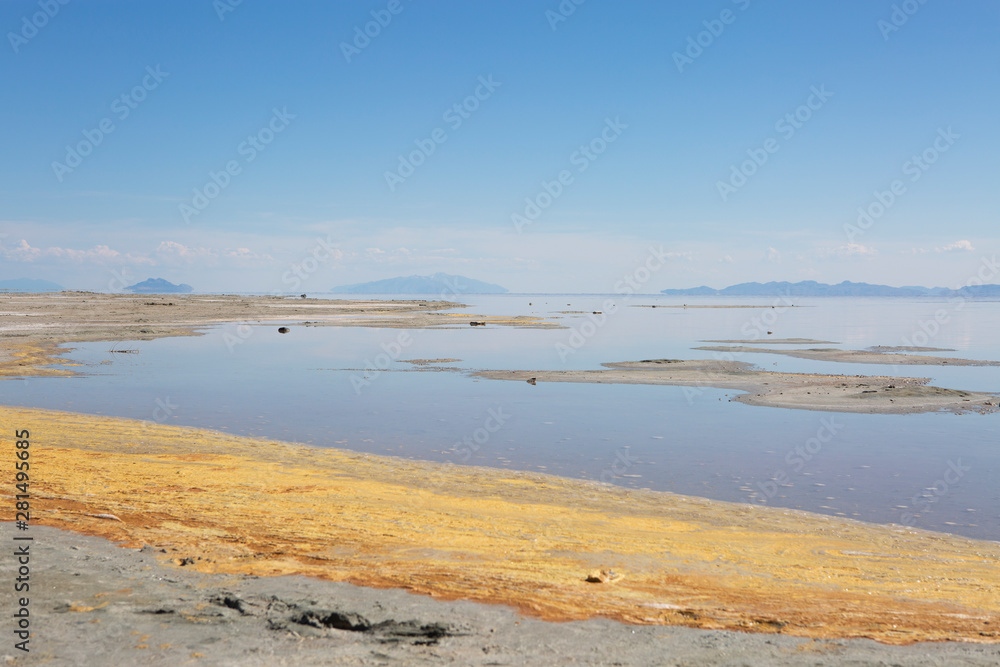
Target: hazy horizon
pixel 538 146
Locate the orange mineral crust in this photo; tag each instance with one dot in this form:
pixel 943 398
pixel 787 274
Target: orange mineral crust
pixel 555 548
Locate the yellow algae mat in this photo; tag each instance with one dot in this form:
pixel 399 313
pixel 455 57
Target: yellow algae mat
pixel 221 503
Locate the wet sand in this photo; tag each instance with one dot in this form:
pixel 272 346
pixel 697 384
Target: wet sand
pixel 803 391
pixel 34 328
pixel 721 305
pixel 778 341
pixel 222 504
pixel 886 356
pixel 89 316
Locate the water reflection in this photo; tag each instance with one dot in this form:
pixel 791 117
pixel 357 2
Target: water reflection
pixel 305 387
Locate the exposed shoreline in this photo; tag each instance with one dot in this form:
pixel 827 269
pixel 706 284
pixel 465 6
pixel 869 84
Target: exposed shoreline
pixel 803 391
pixel 125 605
pixel 519 539
pixel 884 356
pixel 34 328
pixel 67 317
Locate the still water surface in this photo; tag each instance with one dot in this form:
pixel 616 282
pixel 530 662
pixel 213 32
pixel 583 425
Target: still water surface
pixel 935 471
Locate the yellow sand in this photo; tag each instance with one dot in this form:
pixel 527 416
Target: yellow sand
pixel 29 358
pixel 238 505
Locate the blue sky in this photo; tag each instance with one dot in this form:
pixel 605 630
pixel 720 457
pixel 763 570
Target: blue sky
pixel 745 157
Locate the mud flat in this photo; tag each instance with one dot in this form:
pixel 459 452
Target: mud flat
pixel 804 391
pixel 89 316
pixel 778 341
pixel 32 326
pixel 129 606
pixel 878 355
pixel 703 305
pixel 427 362
pixel 552 548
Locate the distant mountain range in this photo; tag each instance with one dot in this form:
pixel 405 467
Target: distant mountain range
pixel 846 288
pixel 441 284
pixel 158 286
pixel 29 285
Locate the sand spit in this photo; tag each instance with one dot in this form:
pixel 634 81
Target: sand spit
pixel 778 341
pixel 898 348
pixel 223 504
pixel 721 305
pixel 425 362
pixel 33 358
pixel 805 391
pixel 870 356
pixel 33 325
pixel 89 316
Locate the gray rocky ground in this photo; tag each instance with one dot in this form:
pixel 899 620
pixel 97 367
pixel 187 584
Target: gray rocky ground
pixel 93 603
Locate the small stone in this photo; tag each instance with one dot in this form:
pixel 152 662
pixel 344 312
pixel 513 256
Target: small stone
pixel 604 577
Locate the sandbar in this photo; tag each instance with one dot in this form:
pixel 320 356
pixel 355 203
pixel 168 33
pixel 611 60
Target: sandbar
pixel 778 341
pixel 33 326
pixel 704 305
pixel 803 391
pixel 90 316
pixel 870 356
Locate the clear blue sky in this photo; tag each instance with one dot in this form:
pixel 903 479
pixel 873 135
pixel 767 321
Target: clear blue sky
pixel 678 128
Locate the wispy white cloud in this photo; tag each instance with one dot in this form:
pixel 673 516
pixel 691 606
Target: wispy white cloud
pixel 172 250
pixel 849 250
pixel 22 251
pixel 957 246
pixel 166 253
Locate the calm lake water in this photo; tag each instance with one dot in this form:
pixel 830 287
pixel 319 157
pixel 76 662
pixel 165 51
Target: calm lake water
pixel 934 471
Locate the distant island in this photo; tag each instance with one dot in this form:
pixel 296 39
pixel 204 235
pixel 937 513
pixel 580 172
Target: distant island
pixel 158 286
pixel 439 283
pixel 29 285
pixel 846 288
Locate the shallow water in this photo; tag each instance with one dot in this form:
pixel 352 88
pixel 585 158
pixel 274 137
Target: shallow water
pixel 935 471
